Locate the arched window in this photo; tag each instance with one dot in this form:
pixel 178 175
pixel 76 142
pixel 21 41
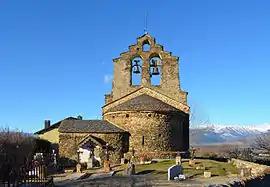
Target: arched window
pixel 146 46
pixel 155 70
pixel 136 71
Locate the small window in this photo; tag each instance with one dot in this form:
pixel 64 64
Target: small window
pixel 149 115
pixel 113 116
pixel 159 135
pixel 127 115
pixel 142 140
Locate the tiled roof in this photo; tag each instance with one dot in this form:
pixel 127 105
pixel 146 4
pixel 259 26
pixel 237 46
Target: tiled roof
pixel 143 103
pixel 55 125
pixel 102 126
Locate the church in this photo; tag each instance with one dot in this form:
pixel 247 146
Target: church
pixel 146 110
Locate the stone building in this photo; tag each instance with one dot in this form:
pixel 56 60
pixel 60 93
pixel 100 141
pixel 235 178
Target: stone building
pixel 156 115
pixel 150 115
pixel 73 135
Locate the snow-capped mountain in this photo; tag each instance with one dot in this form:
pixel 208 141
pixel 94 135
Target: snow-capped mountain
pixel 221 133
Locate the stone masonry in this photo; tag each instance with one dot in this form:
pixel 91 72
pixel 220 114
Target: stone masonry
pixel 152 129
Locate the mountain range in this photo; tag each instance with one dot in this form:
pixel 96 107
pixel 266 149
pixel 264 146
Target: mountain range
pixel 212 134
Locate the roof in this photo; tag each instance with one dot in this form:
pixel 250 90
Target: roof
pixel 143 103
pixel 55 125
pixel 87 126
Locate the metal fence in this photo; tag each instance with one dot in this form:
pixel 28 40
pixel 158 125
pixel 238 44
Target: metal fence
pixel 33 172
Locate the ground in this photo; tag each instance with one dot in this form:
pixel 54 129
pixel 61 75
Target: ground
pixel 156 175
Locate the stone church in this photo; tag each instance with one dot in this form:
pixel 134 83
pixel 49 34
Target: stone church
pixel 146 110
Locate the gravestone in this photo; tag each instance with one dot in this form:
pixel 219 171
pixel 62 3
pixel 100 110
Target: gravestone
pixel 78 168
pixel 207 174
pixel 122 161
pixel 142 160
pixel 129 169
pixel 175 171
pixel 107 166
pixel 178 159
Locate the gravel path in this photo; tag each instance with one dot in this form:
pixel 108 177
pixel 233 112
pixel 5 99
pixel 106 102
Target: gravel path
pixel 136 181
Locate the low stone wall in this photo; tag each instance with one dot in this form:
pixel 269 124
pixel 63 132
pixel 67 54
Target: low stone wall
pixel 259 175
pixel 256 169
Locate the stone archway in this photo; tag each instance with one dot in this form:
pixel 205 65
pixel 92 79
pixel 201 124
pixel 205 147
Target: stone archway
pixel 90 149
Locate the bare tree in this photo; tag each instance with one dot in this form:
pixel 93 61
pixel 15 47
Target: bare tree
pixel 197 116
pixel 262 142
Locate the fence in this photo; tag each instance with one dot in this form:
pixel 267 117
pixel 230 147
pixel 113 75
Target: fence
pixel 29 172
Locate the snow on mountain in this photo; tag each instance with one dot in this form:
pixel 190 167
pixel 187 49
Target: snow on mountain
pixel 222 133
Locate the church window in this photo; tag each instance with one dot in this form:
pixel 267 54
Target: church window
pixel 142 140
pixel 155 71
pixel 136 71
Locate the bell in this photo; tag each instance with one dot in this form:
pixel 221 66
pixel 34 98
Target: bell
pixel 155 71
pixel 153 63
pixel 136 69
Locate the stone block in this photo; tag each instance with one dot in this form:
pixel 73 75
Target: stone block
pixel 192 162
pixel 175 171
pixel 245 172
pixel 78 168
pixel 207 174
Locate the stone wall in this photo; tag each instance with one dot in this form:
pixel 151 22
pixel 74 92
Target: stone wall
pixel 256 169
pixel 153 131
pixel 118 142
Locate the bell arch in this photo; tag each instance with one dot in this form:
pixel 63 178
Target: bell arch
pixel 136 71
pixel 155 70
pixel 146 46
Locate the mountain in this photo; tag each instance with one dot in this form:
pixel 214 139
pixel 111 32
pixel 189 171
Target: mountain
pixel 220 134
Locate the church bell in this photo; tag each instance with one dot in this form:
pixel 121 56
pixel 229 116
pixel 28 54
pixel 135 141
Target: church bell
pixel 136 69
pixel 153 63
pixel 155 71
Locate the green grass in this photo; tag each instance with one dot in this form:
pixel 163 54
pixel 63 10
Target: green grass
pixel 161 168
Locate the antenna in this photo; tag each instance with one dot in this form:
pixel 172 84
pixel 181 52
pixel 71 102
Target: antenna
pixel 145 23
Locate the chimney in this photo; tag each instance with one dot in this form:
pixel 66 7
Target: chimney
pixel 47 124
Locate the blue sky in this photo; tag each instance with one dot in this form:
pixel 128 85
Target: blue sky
pixel 55 55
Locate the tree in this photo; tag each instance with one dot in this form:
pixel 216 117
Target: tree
pixel 262 142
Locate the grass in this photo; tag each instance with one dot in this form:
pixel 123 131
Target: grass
pixel 160 169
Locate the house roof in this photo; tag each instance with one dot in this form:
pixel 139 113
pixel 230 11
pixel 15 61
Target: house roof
pixel 55 125
pixel 143 103
pixel 87 126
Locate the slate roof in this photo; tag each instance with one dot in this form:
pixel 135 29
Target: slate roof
pixel 143 103
pixel 88 126
pixel 55 125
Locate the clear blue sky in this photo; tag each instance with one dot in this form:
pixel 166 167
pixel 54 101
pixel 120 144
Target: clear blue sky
pixel 54 56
